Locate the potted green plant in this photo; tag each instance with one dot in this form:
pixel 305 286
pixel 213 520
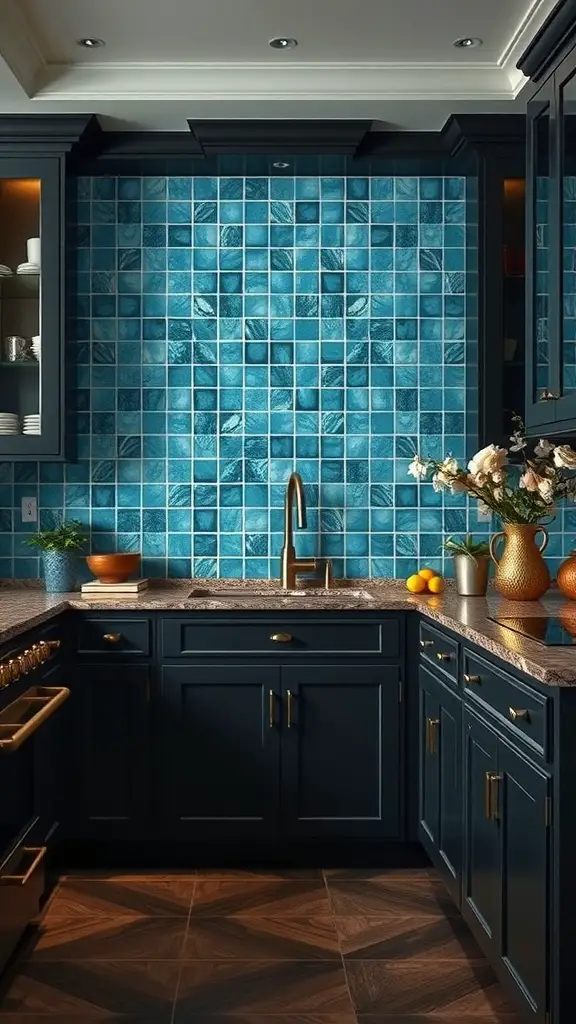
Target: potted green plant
pixel 471 562
pixel 59 547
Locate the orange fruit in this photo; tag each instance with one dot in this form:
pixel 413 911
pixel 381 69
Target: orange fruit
pixel 427 574
pixel 436 585
pixel 415 584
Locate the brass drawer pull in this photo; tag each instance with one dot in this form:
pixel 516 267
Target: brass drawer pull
pixel 470 680
pixel 281 638
pixel 40 853
pixel 271 696
pixel 15 725
pixel 426 643
pixel 444 656
pixel 112 638
pixel 519 714
pixel 492 782
pixel 289 696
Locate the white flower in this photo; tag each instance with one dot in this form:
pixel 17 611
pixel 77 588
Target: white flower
pixel 518 442
pixel 530 480
pixel 488 460
pixel 498 477
pixel 498 493
pixel 477 479
pixel 484 509
pixel 458 485
pixel 440 481
pixel 418 468
pixel 449 465
pixel 564 457
pixel 546 491
pixel 543 448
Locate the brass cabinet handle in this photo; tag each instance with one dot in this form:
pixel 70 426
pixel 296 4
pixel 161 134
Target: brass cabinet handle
pixel 25 662
pixel 13 669
pixel 470 680
pixel 519 714
pixel 40 853
pixel 549 396
pixel 53 644
pixel 432 734
pixel 271 696
pixel 289 696
pixel 281 638
pixel 4 676
pixel 426 643
pixel 16 727
pixel 112 638
pixel 443 656
pixel 492 782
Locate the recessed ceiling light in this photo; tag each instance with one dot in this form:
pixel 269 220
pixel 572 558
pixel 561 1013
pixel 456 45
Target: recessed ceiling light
pixel 280 164
pixel 91 42
pixel 283 43
pixel 467 43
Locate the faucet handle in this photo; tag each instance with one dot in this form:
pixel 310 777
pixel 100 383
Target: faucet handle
pixel 328 575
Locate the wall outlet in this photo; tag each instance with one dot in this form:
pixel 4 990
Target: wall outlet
pixel 29 510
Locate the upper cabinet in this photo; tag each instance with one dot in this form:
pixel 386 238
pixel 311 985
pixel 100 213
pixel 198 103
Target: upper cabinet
pixel 33 166
pixel 551 227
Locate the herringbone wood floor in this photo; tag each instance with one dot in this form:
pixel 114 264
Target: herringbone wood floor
pixel 237 947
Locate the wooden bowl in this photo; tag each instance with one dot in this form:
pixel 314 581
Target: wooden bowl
pixel 113 568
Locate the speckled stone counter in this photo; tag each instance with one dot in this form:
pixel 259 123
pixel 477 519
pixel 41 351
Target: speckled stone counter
pixel 24 607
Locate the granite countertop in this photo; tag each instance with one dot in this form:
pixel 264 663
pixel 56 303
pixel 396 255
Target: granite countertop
pixel 24 607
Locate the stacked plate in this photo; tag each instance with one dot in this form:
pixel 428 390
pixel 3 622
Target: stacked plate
pixel 28 268
pixel 9 423
pixel 32 424
pixel 5 271
pixel 36 347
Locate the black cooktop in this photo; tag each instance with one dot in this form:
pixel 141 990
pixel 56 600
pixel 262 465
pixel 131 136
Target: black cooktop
pixel 549 631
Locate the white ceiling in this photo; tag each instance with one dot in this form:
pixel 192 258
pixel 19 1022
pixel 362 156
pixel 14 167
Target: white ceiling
pixel 166 60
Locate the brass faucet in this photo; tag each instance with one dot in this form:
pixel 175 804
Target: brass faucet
pixel 290 565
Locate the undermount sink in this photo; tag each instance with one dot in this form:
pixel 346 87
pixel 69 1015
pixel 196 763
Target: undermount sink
pixel 241 594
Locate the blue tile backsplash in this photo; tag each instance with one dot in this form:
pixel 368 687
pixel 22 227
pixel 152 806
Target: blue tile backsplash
pixel 224 331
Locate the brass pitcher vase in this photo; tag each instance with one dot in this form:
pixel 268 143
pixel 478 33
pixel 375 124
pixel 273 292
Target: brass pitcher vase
pixel 521 572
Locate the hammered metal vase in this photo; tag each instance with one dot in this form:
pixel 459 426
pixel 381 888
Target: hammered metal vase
pixel 521 572
pixel 567 576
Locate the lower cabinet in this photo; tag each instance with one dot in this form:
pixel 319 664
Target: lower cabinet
pixel 218 755
pixel 309 751
pixel 110 725
pixel 507 843
pixel 341 741
pixel 440 793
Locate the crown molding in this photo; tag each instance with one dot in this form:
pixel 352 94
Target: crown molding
pixel 242 82
pixel 478 132
pixel 555 35
pixel 280 136
pixel 45 133
pixel 18 47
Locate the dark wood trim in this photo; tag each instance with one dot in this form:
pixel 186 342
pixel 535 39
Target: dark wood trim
pixel 553 37
pixel 463 132
pixel 279 136
pixel 47 133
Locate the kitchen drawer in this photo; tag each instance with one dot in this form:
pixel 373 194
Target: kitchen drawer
pixel 439 650
pixel 524 711
pixel 280 637
pixel 113 635
pixel 22 884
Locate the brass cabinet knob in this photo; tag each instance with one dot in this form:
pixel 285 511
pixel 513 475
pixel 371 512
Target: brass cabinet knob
pixel 426 643
pixel 443 656
pixel 519 714
pixel 112 638
pixel 54 644
pixel 281 638
pixel 549 396
pixel 4 676
pixel 470 680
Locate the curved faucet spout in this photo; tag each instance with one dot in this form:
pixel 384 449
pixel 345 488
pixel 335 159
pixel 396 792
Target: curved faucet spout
pixel 290 565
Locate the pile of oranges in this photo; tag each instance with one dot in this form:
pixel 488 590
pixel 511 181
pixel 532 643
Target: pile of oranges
pixel 426 580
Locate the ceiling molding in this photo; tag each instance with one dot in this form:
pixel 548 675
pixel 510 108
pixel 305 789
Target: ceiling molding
pixel 280 136
pixel 241 82
pixel 555 35
pixel 18 47
pixel 480 131
pixel 47 132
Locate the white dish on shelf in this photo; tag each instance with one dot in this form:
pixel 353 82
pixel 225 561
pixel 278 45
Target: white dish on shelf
pixel 28 268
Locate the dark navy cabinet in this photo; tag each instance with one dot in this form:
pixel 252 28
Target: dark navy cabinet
pixel 481 883
pixel 110 725
pixel 440 790
pixel 341 743
pixel 218 756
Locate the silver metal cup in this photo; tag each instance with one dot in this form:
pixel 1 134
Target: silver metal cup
pixel 17 348
pixel 471 575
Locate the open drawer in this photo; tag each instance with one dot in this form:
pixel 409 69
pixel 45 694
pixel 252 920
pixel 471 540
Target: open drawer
pixel 20 719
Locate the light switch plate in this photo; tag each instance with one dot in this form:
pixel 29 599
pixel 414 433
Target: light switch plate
pixel 29 510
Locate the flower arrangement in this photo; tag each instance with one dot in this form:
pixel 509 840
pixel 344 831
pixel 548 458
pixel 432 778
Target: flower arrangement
pixel 522 492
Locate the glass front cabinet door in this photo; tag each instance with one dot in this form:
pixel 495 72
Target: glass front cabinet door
pixel 31 308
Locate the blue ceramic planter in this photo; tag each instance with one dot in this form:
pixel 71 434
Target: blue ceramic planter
pixel 60 569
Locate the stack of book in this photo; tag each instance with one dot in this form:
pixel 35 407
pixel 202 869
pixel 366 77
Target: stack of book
pixel 130 587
